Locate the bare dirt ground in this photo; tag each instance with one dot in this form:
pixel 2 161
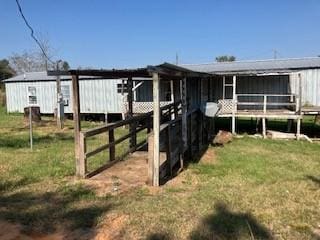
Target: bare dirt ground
pixel 111 229
pixel 122 176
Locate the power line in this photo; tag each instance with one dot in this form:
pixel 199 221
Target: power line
pixel 32 32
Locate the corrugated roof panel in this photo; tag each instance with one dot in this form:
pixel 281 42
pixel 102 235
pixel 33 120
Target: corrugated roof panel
pixel 256 66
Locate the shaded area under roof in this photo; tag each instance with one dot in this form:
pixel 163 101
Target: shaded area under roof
pixel 256 67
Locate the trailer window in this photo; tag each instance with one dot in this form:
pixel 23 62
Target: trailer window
pixel 32 95
pixel 122 88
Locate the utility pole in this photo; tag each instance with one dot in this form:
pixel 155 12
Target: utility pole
pixel 177 59
pixel 60 103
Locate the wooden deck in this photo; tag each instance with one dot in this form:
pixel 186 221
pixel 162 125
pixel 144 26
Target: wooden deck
pixel 275 114
pixel 310 110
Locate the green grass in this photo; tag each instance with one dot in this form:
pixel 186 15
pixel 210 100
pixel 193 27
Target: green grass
pixel 260 188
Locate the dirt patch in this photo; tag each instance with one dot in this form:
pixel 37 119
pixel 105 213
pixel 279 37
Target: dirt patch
pixel 10 231
pixel 122 176
pixel 209 157
pixel 111 229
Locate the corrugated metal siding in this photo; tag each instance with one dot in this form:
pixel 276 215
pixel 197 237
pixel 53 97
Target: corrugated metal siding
pixel 144 92
pixel 310 81
pixel 96 96
pixel 251 85
pixel 17 96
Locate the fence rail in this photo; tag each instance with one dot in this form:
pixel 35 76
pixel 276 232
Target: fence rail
pixel 137 124
pixel 262 102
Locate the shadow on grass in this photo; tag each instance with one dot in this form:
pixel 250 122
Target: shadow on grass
pixel 15 142
pixel 68 208
pixel 159 236
pixel 314 179
pixel 225 224
pixel 8 185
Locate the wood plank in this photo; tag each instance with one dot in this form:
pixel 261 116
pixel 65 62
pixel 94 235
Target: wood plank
pixel 112 149
pixel 76 120
pixel 184 109
pixel 234 97
pixel 115 142
pixel 150 159
pixel 82 157
pixel 156 128
pixel 105 128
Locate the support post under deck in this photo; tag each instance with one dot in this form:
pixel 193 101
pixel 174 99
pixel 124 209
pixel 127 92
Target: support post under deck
pixel 156 128
pixel 234 105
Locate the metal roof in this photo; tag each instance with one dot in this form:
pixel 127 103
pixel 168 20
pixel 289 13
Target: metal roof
pixel 34 76
pixel 257 66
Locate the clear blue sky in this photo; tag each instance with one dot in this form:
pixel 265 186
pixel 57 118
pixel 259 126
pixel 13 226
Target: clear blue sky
pixel 107 34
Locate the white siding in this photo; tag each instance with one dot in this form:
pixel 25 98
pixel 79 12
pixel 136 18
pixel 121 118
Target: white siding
pixel 310 86
pixel 96 96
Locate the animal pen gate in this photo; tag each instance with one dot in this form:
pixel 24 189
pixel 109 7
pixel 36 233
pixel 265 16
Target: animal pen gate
pixel 177 129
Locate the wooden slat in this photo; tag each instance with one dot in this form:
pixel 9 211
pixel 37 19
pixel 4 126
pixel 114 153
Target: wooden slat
pixel 119 140
pixel 105 128
pixel 112 149
pixel 76 120
pixel 82 158
pixel 156 127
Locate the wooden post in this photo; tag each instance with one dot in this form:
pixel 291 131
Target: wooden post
pixel 184 110
pixel 169 149
pixel 60 104
pixel 234 105
pixel 172 100
pixel 223 87
pixel 112 149
pixel 300 94
pixel 30 128
pixel 76 120
pixel 150 159
pixel 132 126
pixel 264 104
pixel 298 128
pixel 264 129
pixel 82 156
pixel 156 128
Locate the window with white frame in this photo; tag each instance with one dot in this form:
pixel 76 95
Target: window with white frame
pixel 32 95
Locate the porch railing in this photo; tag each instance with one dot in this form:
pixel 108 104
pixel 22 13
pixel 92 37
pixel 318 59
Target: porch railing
pixel 259 102
pixel 140 123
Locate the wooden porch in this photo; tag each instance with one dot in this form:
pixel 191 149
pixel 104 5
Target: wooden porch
pixel 174 132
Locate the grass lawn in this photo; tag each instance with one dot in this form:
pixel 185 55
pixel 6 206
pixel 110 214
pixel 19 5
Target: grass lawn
pixel 251 189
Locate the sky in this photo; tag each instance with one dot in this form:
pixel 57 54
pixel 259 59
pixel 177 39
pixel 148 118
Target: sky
pixel 127 34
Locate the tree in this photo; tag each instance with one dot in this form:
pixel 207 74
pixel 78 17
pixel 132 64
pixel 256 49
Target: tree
pixel 5 70
pixel 225 58
pixel 36 60
pixel 65 65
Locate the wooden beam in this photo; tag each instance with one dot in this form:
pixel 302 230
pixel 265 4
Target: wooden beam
pixel 184 110
pixel 82 156
pixel 234 108
pixel 112 149
pixel 76 120
pixel 300 93
pixel 298 128
pixel 156 128
pixel 264 127
pixel 132 126
pixel 173 114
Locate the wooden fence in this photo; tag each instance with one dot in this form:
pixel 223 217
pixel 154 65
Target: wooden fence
pixel 136 124
pixel 172 153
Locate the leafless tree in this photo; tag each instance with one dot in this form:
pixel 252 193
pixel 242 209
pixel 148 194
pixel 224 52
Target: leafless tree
pixel 34 60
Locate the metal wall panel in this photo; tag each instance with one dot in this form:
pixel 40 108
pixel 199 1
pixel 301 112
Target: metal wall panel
pixel 310 82
pixel 96 96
